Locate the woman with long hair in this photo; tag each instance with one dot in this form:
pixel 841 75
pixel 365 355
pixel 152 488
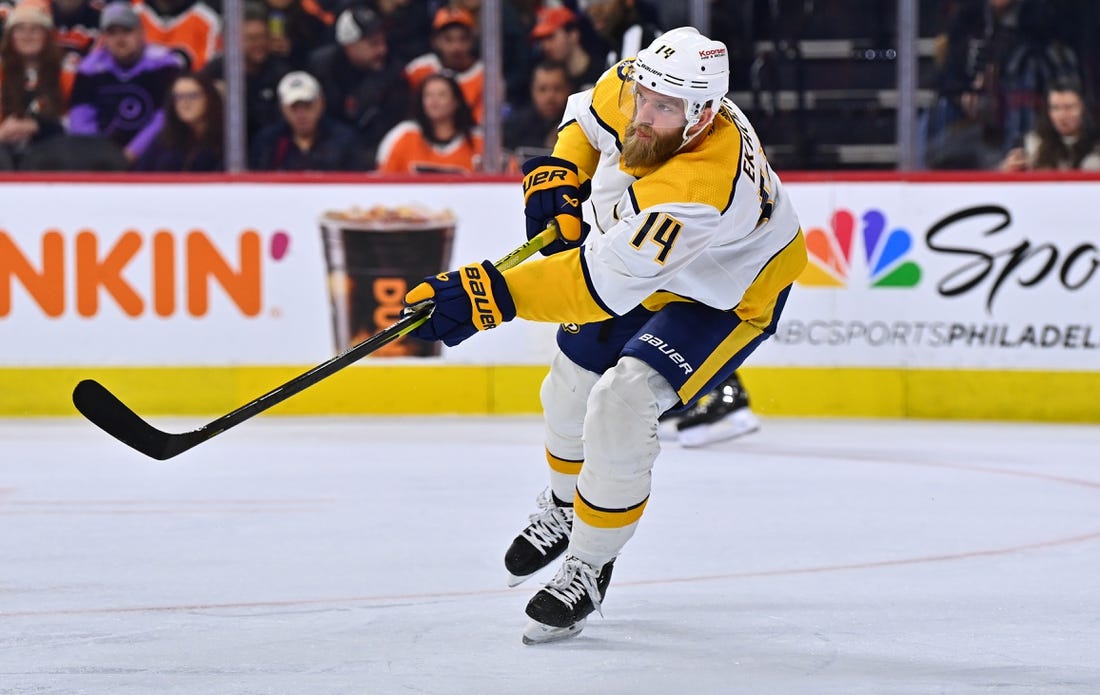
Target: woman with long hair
pixel 192 136
pixel 1066 136
pixel 440 138
pixel 33 86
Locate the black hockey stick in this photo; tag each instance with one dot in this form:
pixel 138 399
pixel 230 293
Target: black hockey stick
pixel 114 417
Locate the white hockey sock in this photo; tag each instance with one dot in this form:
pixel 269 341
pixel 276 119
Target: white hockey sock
pixel 620 435
pixel 564 397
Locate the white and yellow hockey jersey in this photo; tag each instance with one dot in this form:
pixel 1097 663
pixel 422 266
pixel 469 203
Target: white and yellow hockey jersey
pixel 712 224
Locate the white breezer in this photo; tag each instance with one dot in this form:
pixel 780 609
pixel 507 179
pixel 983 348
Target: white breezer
pixel 685 64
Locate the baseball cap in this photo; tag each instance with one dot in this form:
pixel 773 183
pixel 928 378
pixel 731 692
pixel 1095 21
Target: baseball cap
pixel 446 16
pixel 550 19
pixel 354 23
pixel 118 14
pixel 298 86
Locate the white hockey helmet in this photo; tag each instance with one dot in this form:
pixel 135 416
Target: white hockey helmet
pixel 685 64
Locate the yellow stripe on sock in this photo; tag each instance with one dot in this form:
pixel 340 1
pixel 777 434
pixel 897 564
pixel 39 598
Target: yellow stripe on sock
pixel 563 466
pixel 607 518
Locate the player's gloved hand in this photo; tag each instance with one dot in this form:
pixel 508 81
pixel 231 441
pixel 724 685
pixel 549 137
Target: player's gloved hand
pixel 473 298
pixel 552 191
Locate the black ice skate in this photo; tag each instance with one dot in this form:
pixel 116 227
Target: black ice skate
pixel 721 414
pixel 545 538
pixel 560 609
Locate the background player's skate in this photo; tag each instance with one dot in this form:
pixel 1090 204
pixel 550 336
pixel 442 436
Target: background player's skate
pixel 722 414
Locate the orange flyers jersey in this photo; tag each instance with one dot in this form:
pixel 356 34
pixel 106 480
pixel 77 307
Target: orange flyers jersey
pixel 405 150
pixel 77 39
pixel 471 81
pixel 196 34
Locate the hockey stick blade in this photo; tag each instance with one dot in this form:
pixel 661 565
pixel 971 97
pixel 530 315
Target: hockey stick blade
pixel 103 409
pixel 114 417
pixel 108 413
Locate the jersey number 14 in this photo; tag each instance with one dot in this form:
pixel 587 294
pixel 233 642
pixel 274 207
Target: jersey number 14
pixel 661 229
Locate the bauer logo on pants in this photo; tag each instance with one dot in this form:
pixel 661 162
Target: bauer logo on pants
pixel 668 350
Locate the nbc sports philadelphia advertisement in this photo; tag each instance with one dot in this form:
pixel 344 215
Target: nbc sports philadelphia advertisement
pixel 935 275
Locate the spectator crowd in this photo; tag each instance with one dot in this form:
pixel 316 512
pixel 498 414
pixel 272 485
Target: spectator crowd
pixel 397 86
pixel 1014 81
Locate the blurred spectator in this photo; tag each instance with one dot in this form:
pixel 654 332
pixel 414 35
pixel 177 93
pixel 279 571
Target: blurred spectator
pixel 441 138
pixel 515 59
pixel 969 141
pixel 192 136
pixel 1006 51
pixel 364 87
pixel 307 139
pixel 33 86
pixel 297 29
pixel 262 70
pixel 1065 137
pixel 621 26
pixel 533 129
pixel 559 39
pixel 77 25
pixel 453 53
pixel 121 85
pixel 406 24
pixel 472 9
pixel 189 27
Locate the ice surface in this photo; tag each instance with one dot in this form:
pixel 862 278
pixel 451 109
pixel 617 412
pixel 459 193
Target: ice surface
pixel 316 556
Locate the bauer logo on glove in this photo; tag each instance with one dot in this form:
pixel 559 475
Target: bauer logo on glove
pixel 486 311
pixel 552 190
pixel 473 298
pixel 545 176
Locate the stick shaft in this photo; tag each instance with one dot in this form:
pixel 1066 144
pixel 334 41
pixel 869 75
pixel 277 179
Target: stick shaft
pixel 114 417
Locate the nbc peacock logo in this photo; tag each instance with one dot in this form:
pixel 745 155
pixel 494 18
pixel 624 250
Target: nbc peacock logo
pixel 833 253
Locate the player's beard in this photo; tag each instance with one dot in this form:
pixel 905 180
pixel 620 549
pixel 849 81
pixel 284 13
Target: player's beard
pixel 650 151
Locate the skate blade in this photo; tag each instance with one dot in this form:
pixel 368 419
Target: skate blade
pixel 538 633
pixel 736 424
pixel 516 580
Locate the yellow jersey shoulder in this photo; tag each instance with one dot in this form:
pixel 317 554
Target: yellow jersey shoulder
pixel 606 96
pixel 704 175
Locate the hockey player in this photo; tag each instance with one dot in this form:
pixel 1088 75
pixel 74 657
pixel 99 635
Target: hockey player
pixel 696 247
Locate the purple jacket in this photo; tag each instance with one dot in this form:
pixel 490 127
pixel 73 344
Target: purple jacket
pixel 123 104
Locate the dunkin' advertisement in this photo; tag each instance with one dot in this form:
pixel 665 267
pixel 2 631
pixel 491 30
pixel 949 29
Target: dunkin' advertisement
pixel 240 273
pixel 998 275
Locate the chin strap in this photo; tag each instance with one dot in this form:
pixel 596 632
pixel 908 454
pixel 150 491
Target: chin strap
pixel 685 138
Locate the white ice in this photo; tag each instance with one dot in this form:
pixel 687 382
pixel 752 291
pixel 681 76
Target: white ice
pixel 317 556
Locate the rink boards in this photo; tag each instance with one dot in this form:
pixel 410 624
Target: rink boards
pixel 925 296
